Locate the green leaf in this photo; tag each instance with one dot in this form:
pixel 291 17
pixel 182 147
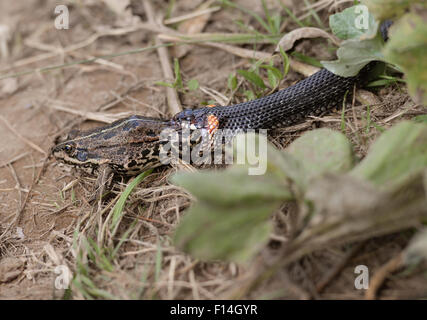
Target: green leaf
pixel 276 72
pixel 164 84
pixel 362 44
pixel 353 55
pixel 120 204
pixel 397 154
pixel 380 83
pixel 232 234
pixel 249 94
pixel 252 77
pixel 193 84
pixel 350 24
pixel 272 79
pixel 230 220
pixel 234 185
pixel 285 60
pixel 178 78
pixel 309 60
pixel 421 118
pixel 320 151
pixel 232 82
pixel 386 9
pixel 407 48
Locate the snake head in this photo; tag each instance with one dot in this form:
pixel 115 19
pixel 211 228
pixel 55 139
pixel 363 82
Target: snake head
pixel 197 119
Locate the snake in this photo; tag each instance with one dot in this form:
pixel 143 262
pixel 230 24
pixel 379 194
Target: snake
pixel 134 144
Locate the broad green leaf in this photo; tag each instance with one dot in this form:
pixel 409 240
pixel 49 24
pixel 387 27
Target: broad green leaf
pixel 279 164
pixel 230 218
pixel 252 77
pixel 320 151
pixel 232 233
pixel 397 154
pixel 231 186
pixel 353 55
pixel 407 48
pixel 353 23
pixel 362 44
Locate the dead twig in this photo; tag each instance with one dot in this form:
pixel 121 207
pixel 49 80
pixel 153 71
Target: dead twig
pixel 379 277
pixel 172 96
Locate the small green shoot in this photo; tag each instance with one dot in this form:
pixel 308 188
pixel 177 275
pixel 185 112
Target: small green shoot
pixel 118 208
pixel 265 25
pixel 306 59
pixel 291 15
pixel 232 82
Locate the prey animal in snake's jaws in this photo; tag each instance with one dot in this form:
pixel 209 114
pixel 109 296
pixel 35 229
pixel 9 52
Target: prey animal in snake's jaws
pixel 132 145
pixel 128 146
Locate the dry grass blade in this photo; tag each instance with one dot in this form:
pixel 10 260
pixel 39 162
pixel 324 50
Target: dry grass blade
pixel 297 66
pixel 77 46
pixel 172 96
pixel 192 15
pixel 95 116
pixel 196 22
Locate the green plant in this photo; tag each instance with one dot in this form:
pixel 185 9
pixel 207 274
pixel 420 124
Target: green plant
pixel 230 220
pixel 406 48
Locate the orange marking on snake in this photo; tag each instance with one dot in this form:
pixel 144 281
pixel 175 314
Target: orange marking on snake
pixel 211 105
pixel 213 124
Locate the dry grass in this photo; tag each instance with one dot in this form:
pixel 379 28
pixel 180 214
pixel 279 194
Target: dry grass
pixel 46 218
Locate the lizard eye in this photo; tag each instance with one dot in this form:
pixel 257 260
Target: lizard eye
pixel 68 148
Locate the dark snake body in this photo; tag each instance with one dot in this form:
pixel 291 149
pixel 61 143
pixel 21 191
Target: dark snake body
pixel 311 96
